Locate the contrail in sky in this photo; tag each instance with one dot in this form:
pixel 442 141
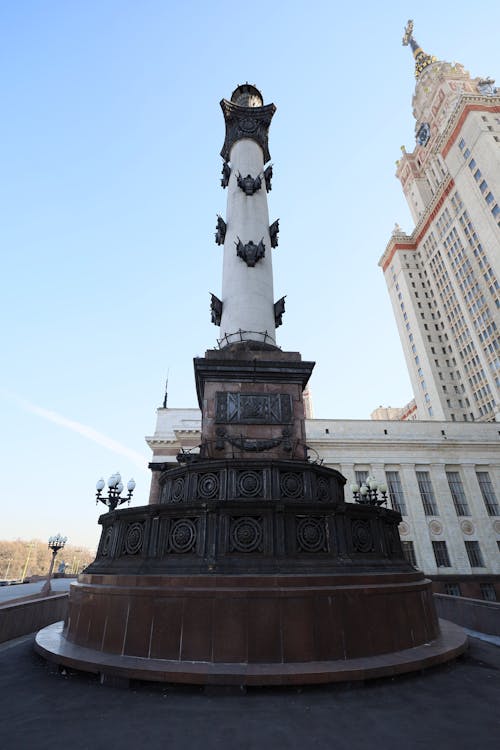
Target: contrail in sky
pixel 85 431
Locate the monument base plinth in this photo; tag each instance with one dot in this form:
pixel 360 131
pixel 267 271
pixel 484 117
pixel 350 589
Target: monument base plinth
pixel 51 644
pixel 251 630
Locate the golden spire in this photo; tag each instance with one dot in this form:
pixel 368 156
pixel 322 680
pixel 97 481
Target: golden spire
pixel 422 59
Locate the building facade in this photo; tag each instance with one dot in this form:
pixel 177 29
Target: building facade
pixel 444 277
pixel 443 478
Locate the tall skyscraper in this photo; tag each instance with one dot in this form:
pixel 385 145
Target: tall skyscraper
pixel 443 278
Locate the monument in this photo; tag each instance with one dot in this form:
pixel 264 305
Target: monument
pixel 248 566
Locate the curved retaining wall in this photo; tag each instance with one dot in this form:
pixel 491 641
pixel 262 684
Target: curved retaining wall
pixel 476 614
pixel 21 618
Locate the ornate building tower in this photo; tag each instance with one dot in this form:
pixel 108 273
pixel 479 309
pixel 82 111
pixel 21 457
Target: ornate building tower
pixel 444 277
pixel 247 566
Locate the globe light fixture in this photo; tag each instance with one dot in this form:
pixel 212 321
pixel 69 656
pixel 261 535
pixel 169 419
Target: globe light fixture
pixel 371 492
pixel 115 487
pixel 55 544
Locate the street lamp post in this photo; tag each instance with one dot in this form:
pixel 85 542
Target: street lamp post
pixel 55 544
pixel 368 493
pixel 115 487
pixel 6 576
pixel 30 549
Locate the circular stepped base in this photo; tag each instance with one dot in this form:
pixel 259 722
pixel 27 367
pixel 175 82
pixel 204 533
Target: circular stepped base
pixel 52 645
pixel 251 630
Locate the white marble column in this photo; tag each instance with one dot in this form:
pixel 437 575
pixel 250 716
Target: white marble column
pixel 247 291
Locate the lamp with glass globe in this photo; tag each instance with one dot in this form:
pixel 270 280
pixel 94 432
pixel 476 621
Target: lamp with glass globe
pixel 55 544
pixel 115 487
pixel 368 493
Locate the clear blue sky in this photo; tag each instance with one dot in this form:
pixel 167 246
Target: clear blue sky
pixel 110 138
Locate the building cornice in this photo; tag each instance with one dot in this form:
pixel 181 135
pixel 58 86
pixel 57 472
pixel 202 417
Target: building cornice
pixel 397 242
pixel 467 103
pixel 401 443
pixel 161 441
pixel 285 367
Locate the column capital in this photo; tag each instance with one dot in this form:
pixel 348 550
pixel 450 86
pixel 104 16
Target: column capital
pixel 246 122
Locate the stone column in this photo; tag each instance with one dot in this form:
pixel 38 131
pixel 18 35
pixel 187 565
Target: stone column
pixel 247 282
pixel 154 492
pixel 347 470
pixel 417 520
pixel 378 472
pixel 472 491
pixel 452 532
pixel 479 525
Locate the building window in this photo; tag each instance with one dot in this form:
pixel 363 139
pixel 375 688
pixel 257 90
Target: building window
pixel 441 554
pixel 457 492
pixel 361 477
pixel 489 198
pixel 474 554
pixel 396 491
pixel 483 186
pixel 427 493
pixel 452 589
pixel 409 553
pixel 488 592
pixel 488 493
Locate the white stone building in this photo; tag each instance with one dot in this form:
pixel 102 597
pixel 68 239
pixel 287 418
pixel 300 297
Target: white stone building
pixel 444 277
pixel 444 478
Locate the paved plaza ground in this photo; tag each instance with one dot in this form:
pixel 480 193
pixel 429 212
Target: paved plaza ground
pixel 455 706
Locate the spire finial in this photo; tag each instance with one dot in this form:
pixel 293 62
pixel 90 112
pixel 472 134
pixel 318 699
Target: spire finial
pixel 164 405
pixel 422 59
pixel 408 33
